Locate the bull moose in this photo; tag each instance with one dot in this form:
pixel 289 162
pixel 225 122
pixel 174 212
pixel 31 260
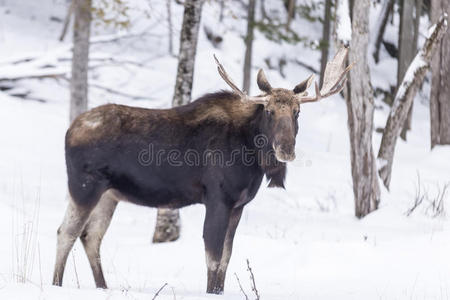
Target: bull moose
pixel 245 138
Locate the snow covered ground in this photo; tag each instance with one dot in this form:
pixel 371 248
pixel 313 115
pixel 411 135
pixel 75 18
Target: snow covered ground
pixel 302 242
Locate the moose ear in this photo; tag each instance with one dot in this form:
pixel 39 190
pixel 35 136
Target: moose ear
pixel 304 85
pixel 263 84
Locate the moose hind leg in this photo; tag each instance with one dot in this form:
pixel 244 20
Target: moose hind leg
pixel 70 229
pixel 214 232
pixel 93 233
pixel 228 246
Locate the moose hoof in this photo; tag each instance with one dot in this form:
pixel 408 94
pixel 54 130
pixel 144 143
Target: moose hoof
pixel 215 290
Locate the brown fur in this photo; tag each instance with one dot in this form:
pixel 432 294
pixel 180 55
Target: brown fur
pixel 111 120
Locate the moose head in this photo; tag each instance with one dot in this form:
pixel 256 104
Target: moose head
pixel 282 106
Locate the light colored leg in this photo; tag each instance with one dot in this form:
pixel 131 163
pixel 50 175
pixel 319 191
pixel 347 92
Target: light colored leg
pixel 68 232
pixel 93 233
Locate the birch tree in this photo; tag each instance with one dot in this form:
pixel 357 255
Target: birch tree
pixel 169 25
pixel 325 39
pixel 168 220
pixel 440 87
pixel 360 108
pixel 249 45
pixel 80 59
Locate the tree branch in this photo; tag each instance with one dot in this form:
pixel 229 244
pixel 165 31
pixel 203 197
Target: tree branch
pixel 160 289
pixel 385 12
pixel 404 98
pixel 117 92
pixel 67 21
pixel 252 278
pixel 240 286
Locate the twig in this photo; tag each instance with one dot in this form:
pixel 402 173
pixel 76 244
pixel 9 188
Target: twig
pixel 304 65
pixel 173 292
pixel 240 286
pixel 418 198
pixel 40 267
pixel 67 21
pixel 114 91
pixel 160 289
pixel 107 60
pixel 23 96
pixel 75 269
pixel 252 278
pixel 35 74
pixel 115 37
pixel 31 57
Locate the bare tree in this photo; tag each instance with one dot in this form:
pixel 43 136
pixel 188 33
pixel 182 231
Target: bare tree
pixel 291 12
pixel 249 45
pixel 169 25
pixel 407 41
pixel 440 87
pixel 404 98
pixel 342 32
pixel 325 39
pixel 360 107
pixel 388 6
pixel 188 49
pixel 80 59
pixel 222 9
pixel 66 21
pixel 168 220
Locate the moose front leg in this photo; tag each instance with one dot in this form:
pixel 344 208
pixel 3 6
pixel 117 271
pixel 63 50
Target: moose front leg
pixel 235 217
pixel 214 232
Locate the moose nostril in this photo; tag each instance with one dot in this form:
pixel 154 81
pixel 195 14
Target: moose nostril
pixel 288 149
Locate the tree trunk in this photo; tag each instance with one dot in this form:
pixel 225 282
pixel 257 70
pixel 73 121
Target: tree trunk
pixel 440 87
pixel 80 59
pixel 222 9
pixel 188 48
pixel 404 98
pixel 343 33
pixel 325 39
pixel 168 225
pixel 168 220
pixel 291 11
pixel 360 107
pixel 169 24
pixel 386 11
pixel 249 45
pixel 407 41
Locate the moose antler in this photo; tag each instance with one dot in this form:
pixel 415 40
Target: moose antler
pixel 334 81
pixel 334 78
pixel 227 79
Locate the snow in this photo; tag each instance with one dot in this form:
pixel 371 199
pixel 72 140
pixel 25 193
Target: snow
pixel 303 242
pixel 381 163
pixel 344 26
pixel 417 63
